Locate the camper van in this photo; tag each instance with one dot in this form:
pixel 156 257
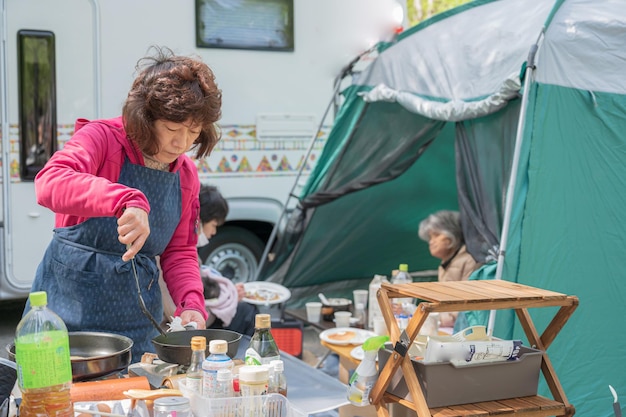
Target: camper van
pixel 279 63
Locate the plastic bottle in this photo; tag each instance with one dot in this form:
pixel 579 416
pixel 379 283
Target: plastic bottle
pixel 365 375
pixel 217 359
pixel 263 348
pixel 374 307
pixel 193 380
pixel 278 380
pixel 224 388
pixel 253 383
pixel 401 276
pixel 359 313
pixel 42 355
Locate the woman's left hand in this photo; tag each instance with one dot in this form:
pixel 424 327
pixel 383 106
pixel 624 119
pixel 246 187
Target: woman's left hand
pixel 188 316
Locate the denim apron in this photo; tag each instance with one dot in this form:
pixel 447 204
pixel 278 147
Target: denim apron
pixel 87 282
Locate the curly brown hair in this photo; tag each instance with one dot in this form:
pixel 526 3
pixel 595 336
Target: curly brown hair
pixel 176 89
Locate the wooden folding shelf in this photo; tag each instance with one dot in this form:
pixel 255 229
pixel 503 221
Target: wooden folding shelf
pixel 467 296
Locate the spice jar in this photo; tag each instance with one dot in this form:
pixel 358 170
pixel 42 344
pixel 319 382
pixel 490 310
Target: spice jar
pixel 253 382
pixel 172 407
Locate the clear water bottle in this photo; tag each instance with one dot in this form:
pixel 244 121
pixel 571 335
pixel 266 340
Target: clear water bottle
pixel 194 376
pixel 42 355
pixel 399 305
pixel 263 348
pixel 216 360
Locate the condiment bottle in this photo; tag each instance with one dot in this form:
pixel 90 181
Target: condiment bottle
pixel 217 359
pixel 278 381
pixel 253 382
pixel 42 355
pixel 172 407
pixel 359 313
pixel 263 348
pixel 193 380
pixel 224 387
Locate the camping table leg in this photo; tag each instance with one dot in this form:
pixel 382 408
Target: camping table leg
pixel 542 343
pixel 400 358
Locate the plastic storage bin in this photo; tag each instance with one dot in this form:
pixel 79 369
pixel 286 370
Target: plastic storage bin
pixel 445 384
pixel 270 405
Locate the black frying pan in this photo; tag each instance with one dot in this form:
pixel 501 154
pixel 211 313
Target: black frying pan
pixel 175 347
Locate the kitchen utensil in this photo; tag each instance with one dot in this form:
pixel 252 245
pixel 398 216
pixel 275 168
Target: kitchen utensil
pixel 142 304
pixel 152 394
pixel 175 347
pixel 323 298
pixel 617 409
pixel 94 354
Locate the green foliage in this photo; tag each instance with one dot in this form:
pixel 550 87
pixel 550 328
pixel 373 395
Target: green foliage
pixel 419 10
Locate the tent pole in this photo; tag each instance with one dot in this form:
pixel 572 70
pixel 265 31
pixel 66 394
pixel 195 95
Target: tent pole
pixel 519 137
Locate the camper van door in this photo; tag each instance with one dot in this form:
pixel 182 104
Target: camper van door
pixel 47 67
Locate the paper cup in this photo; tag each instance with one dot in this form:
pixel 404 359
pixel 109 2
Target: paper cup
pixel 360 297
pixel 342 318
pixel 313 311
pixel 380 327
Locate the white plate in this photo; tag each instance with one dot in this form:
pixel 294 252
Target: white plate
pixel 334 336
pixel 359 354
pixel 264 293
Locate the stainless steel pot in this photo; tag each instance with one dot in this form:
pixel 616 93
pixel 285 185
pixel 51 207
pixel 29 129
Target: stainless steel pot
pixel 175 347
pixel 94 354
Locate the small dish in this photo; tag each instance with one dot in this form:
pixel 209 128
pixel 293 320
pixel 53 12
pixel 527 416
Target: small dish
pixel 346 336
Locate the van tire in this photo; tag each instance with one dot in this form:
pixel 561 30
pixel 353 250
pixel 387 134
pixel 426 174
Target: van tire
pixel 235 252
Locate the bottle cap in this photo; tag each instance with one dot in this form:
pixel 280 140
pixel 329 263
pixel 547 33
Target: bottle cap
pixel 253 373
pixel 404 267
pixel 38 299
pixel 224 374
pixel 262 321
pixel 198 343
pixel 218 346
pixel 278 365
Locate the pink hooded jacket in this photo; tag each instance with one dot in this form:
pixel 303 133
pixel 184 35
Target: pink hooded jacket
pixel 80 182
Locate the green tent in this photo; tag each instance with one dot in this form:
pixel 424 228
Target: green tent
pixel 513 112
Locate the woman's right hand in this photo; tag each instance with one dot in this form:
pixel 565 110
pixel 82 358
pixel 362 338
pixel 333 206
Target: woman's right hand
pixel 133 229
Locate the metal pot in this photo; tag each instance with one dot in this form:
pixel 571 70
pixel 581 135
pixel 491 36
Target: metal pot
pixel 175 347
pixel 94 354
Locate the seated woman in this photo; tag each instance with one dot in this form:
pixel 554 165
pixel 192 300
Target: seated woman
pixel 444 234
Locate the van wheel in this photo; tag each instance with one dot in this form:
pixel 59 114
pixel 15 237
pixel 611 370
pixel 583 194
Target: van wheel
pixel 235 252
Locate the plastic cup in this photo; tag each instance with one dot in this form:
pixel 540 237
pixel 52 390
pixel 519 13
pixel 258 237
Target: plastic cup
pixel 313 311
pixel 380 327
pixel 360 297
pixel 342 318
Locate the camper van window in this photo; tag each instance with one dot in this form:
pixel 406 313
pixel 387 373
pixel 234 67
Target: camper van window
pixel 37 100
pixel 245 24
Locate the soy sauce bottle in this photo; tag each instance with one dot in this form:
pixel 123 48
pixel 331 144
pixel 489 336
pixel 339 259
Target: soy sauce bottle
pixel 263 348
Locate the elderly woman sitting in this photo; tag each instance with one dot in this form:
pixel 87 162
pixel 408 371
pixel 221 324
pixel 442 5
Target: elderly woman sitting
pixel 442 230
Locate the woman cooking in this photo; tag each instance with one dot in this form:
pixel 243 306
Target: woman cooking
pixel 124 190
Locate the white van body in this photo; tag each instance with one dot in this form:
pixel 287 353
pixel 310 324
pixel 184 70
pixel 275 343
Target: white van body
pixel 273 104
